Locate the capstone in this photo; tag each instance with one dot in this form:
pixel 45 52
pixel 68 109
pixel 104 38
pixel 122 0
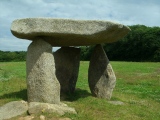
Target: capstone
pixel 68 32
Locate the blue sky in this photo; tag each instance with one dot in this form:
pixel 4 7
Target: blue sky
pixel 127 12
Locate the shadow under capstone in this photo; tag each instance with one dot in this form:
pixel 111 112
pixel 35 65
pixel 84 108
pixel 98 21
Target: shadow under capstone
pixel 78 93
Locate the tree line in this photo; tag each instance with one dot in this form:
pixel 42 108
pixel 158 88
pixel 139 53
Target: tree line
pixel 8 56
pixel 142 43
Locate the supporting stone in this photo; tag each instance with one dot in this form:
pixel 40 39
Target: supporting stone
pixel 42 84
pixel 67 61
pixel 101 76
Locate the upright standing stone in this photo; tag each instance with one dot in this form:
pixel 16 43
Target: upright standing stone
pixel 101 76
pixel 42 84
pixel 67 61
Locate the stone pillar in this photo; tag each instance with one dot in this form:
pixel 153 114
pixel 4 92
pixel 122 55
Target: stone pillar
pixel 101 76
pixel 67 61
pixel 42 84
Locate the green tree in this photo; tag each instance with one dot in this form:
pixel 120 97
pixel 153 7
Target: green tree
pixel 141 44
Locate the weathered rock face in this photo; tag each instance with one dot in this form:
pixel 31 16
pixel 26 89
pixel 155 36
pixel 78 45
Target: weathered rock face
pixel 42 84
pixel 13 109
pixel 67 61
pixel 16 108
pixel 65 32
pixel 60 109
pixel 101 76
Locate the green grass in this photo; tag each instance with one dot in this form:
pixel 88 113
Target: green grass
pixel 12 81
pixel 138 86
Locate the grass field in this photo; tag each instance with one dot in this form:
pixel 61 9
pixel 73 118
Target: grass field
pixel 138 86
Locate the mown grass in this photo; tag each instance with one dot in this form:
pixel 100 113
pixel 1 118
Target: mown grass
pixel 12 81
pixel 138 86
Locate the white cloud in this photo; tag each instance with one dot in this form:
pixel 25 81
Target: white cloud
pixel 128 12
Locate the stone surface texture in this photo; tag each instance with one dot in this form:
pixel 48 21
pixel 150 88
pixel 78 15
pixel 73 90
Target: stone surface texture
pixel 101 76
pixel 42 117
pixel 13 109
pixel 60 109
pixel 26 118
pixel 42 84
pixel 67 32
pixel 67 60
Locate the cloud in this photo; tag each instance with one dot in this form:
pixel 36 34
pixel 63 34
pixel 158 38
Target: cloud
pixel 128 12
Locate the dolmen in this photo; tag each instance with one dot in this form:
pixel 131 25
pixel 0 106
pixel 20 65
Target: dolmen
pixel 48 74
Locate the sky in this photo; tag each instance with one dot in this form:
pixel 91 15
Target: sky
pixel 127 12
